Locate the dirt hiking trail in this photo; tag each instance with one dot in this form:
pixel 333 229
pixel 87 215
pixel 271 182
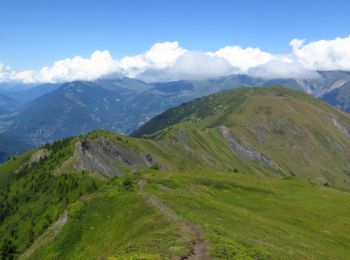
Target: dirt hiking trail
pixel 48 236
pixel 199 250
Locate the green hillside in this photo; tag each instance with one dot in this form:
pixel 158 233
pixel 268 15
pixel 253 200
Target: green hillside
pixel 244 174
pixel 240 217
pixel 303 136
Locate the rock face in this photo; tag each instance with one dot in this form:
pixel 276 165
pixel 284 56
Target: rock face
pixel 105 157
pixel 242 149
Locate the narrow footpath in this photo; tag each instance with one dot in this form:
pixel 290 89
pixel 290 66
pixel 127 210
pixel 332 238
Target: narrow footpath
pixel 198 250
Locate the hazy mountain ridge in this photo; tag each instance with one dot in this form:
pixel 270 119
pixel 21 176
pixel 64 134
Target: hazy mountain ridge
pixel 122 105
pixel 7 104
pixel 339 97
pixel 79 107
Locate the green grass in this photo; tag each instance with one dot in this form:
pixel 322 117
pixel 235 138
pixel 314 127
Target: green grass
pixel 247 217
pixel 32 197
pixel 116 224
pixel 293 129
pixel 241 216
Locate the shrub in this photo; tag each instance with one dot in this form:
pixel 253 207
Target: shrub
pixel 127 183
pixel 8 250
pixel 155 167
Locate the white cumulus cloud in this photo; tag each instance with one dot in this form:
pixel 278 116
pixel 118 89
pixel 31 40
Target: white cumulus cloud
pixel 159 56
pixel 6 73
pixel 282 70
pixel 99 64
pixel 190 65
pixel 166 61
pixel 324 54
pixel 243 58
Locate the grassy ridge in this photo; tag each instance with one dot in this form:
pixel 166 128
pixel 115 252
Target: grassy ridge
pixel 296 131
pixel 184 148
pixel 242 217
pixel 248 217
pixel 116 223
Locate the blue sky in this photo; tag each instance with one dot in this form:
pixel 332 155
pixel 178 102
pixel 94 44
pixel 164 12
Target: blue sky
pixel 37 33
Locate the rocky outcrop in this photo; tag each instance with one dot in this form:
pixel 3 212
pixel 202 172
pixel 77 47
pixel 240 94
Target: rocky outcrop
pixel 91 158
pixel 103 156
pixel 244 150
pixel 148 158
pixel 39 155
pixel 341 127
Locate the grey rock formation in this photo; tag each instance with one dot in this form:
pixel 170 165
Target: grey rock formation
pixel 103 156
pixel 340 127
pixel 243 150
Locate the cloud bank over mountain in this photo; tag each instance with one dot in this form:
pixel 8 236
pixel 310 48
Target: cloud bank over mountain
pixel 166 61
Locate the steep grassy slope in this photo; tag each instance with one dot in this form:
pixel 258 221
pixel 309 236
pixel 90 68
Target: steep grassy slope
pixel 116 223
pixel 32 197
pixel 179 151
pixel 305 137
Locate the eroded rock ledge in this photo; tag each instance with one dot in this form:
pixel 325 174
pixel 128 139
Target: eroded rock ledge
pixel 242 149
pixel 103 156
pixel 340 127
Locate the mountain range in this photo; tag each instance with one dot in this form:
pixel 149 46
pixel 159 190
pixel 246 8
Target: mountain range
pixel 245 173
pixel 34 115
